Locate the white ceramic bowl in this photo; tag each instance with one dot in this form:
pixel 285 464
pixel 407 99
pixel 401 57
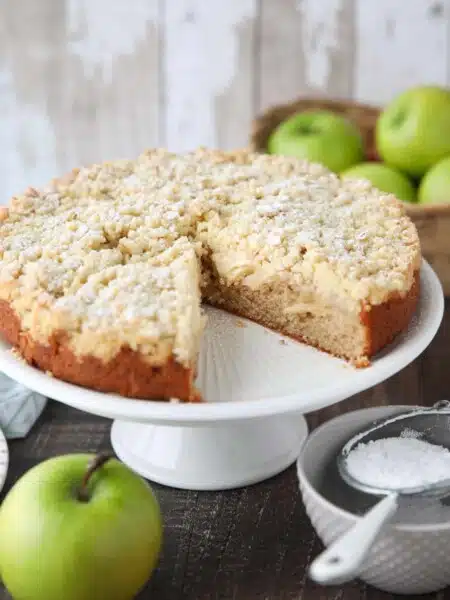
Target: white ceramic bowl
pixel 412 554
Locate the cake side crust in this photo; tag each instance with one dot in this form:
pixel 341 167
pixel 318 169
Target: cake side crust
pixel 127 374
pixel 384 322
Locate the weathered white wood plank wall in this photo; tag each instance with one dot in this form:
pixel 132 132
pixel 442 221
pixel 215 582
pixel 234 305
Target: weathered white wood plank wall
pixel 85 80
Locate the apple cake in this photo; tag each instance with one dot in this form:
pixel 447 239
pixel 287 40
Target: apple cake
pixel 103 272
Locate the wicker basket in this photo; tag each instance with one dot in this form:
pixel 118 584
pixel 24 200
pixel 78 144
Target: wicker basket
pixel 432 221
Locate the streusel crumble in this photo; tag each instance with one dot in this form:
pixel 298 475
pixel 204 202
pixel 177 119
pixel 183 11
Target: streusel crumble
pixel 108 266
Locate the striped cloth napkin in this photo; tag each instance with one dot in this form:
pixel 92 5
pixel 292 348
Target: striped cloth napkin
pixel 19 408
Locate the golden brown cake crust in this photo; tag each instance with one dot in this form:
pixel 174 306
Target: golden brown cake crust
pixel 385 321
pixel 126 374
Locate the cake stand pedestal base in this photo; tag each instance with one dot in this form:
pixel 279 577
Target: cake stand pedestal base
pixel 212 457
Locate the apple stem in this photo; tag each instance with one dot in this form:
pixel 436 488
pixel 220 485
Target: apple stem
pixel 94 465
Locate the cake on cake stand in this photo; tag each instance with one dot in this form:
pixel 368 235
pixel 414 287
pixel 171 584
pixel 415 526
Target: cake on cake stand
pixel 257 386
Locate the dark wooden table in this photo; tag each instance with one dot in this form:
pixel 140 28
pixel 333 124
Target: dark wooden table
pixel 253 543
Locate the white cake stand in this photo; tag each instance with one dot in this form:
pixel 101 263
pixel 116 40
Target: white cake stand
pixel 257 386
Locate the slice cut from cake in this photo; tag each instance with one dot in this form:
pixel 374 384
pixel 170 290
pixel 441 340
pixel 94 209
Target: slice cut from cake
pixel 102 273
pixel 126 328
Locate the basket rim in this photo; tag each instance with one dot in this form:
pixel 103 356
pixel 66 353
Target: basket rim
pixel 263 115
pixel 317 99
pixel 427 210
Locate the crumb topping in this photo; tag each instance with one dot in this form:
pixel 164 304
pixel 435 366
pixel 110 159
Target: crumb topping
pixel 110 253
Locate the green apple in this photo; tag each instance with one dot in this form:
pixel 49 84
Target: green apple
pixel 79 527
pixel 386 179
pixel 435 185
pixel 413 131
pixel 318 136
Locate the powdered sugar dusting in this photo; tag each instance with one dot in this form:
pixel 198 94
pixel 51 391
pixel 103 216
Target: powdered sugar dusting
pixel 411 433
pixel 399 463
